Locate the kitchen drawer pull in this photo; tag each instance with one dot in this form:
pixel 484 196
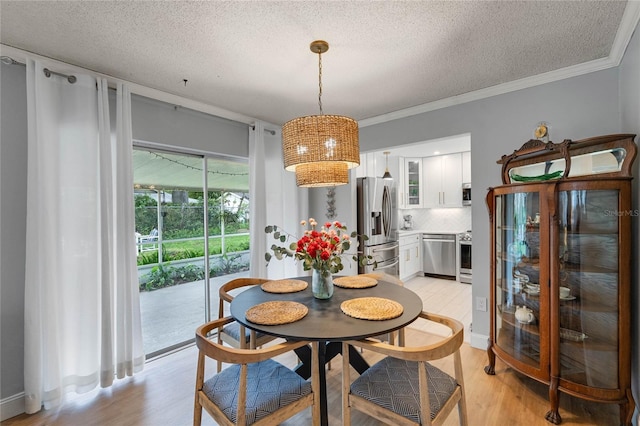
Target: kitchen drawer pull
pixel 384 249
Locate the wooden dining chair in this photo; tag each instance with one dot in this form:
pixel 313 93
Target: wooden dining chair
pixel 389 337
pixel 235 334
pixel 404 388
pixel 255 389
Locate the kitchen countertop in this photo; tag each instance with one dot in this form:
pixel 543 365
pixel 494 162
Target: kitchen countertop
pixel 404 232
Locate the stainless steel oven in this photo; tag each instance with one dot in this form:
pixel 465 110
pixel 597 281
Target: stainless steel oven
pixel 464 254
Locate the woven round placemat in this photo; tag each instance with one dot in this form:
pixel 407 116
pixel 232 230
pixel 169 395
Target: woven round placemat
pixel 284 286
pixel 372 308
pixel 357 281
pixel 276 312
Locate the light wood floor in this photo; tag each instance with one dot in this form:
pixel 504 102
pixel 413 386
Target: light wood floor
pixel 163 393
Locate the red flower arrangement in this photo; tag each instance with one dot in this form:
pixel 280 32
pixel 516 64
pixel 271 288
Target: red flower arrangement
pixel 317 249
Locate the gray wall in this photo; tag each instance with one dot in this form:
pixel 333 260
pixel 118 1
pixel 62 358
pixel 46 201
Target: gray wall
pixel 162 123
pixel 576 108
pixel 13 221
pixel 630 122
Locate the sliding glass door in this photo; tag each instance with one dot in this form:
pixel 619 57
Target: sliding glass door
pixel 173 220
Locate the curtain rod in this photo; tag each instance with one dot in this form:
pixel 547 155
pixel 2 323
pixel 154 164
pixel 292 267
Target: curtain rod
pixel 47 72
pixel 273 132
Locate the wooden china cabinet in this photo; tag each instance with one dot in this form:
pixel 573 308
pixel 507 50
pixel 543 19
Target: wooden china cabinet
pixel 560 268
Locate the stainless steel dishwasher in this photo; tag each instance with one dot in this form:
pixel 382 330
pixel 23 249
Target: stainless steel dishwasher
pixel 439 255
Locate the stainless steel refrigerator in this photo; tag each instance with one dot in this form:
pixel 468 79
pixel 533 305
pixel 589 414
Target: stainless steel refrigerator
pixel 377 218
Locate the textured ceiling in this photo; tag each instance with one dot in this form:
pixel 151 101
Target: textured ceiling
pixel 253 57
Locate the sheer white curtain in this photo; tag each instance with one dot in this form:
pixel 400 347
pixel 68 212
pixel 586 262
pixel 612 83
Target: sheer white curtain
pixel 275 200
pixel 258 208
pixel 82 315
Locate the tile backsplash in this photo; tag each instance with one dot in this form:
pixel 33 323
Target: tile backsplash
pixel 444 220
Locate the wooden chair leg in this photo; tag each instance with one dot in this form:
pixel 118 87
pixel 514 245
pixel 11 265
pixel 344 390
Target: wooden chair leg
pixel 315 384
pixel 462 404
pixel 346 384
pixel 197 407
pixel 252 339
pixel 218 362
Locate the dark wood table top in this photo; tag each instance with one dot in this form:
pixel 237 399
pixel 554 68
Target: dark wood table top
pixel 325 320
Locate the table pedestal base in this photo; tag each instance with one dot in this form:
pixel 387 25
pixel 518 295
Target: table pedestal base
pixel 326 352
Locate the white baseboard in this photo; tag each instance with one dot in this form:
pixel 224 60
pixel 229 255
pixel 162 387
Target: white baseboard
pixel 479 341
pixel 11 406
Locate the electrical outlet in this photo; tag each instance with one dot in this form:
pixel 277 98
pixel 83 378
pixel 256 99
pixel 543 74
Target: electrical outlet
pixel 481 304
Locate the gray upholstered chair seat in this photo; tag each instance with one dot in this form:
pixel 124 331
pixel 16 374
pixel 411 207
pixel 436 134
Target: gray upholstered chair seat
pixel 253 388
pixel 393 384
pixel 270 386
pixel 233 330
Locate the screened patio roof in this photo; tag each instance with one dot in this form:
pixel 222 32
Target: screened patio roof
pixel 167 171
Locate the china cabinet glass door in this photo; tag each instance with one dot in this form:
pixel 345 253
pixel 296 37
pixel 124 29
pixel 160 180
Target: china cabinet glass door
pixel 521 324
pixel 588 241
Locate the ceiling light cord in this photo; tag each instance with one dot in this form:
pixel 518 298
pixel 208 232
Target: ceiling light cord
pixel 320 81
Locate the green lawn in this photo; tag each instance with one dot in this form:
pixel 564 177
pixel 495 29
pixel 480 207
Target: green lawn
pixel 194 248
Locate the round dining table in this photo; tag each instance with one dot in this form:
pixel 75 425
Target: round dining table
pixel 326 323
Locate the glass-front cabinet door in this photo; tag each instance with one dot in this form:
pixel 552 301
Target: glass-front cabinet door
pixel 521 278
pixel 588 230
pixel 413 170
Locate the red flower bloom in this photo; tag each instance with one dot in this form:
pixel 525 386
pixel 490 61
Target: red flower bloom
pixel 319 249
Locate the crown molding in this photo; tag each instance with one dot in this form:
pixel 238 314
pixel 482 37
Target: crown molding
pixel 628 24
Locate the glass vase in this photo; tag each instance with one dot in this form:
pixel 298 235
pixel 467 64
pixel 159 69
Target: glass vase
pixel 322 284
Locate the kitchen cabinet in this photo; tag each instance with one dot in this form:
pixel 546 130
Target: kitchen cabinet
pixel 364 167
pixel 466 167
pixel 410 193
pixel 410 255
pixel 442 181
pixel 561 270
pixel 374 164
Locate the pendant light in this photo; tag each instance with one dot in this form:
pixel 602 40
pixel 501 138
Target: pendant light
pixel 386 175
pixel 320 148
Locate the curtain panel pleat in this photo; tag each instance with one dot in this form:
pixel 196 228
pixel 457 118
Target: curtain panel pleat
pixel 82 316
pixel 257 213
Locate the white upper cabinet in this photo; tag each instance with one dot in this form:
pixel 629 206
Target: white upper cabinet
pixel 374 164
pixel 442 181
pixel 466 167
pixel 367 165
pixel 410 183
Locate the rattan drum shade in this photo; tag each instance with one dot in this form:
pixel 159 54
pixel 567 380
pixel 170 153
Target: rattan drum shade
pixel 321 149
pixel 322 173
